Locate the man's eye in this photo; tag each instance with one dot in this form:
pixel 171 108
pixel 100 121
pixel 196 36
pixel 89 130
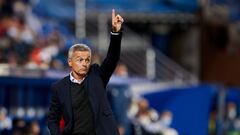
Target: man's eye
pixel 80 60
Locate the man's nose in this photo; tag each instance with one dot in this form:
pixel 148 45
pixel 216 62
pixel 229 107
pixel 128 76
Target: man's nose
pixel 84 64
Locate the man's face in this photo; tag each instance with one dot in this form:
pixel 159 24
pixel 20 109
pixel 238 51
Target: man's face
pixel 80 62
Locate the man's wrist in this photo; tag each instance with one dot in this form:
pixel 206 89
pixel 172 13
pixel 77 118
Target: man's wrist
pixel 114 33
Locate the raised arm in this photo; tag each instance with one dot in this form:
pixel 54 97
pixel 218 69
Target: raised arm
pixel 110 62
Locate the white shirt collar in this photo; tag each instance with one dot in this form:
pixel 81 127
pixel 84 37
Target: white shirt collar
pixel 72 79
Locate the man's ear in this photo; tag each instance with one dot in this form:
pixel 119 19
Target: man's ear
pixel 69 62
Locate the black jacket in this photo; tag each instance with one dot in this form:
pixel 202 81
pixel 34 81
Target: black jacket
pixel 95 84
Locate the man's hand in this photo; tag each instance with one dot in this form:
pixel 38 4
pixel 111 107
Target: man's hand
pixel 117 21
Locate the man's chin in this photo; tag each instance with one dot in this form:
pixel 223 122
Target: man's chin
pixel 81 73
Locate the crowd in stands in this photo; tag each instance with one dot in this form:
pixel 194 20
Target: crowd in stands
pixel 232 119
pixel 17 126
pixel 143 120
pixel 147 121
pixel 29 41
pixel 136 116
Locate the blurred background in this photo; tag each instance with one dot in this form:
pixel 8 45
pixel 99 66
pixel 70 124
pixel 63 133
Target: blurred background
pixel 179 72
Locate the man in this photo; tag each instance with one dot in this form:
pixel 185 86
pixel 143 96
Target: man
pixel 81 98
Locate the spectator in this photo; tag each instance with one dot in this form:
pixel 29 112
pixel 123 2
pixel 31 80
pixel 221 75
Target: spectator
pixel 22 39
pixel 232 123
pixel 121 70
pixel 142 115
pixel 5 121
pixel 148 120
pixel 121 96
pixel 34 128
pixel 19 127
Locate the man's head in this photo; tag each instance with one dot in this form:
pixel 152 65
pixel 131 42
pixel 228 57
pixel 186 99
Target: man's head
pixel 143 105
pixel 79 59
pixel 121 70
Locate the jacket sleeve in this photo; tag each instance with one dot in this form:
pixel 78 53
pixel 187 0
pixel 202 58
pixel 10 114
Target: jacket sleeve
pixel 110 62
pixel 54 113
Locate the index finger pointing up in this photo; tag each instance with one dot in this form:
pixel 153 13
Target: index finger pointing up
pixel 113 13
